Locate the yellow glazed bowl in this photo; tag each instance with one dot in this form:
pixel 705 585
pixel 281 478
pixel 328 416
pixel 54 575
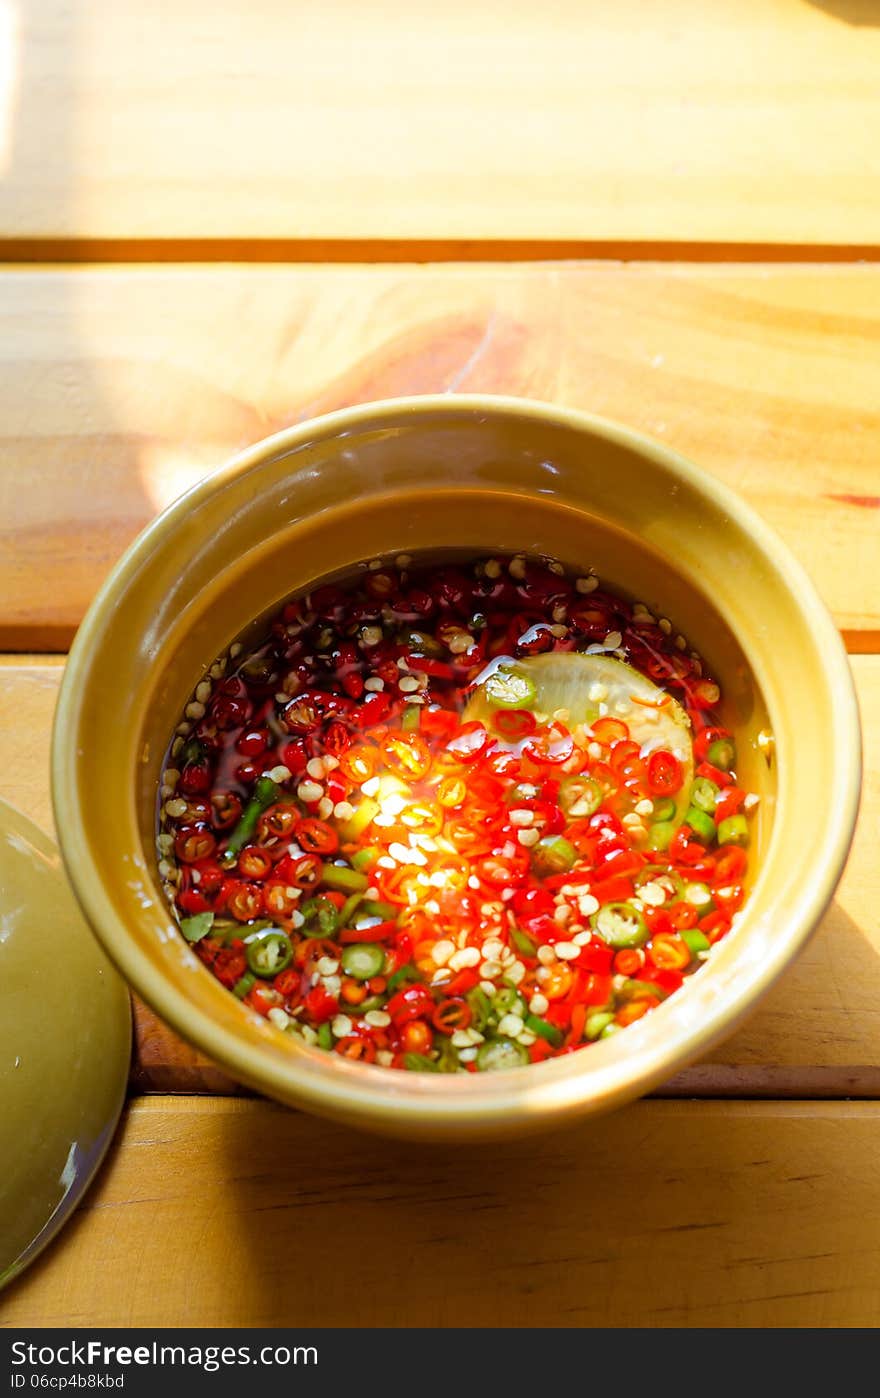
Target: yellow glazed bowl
pixel 478 474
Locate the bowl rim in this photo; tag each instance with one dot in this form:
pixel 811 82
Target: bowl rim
pixel 370 1095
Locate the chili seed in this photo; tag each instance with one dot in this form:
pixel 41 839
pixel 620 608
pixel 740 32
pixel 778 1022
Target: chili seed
pixel 510 1025
pixel 567 951
pixel 309 792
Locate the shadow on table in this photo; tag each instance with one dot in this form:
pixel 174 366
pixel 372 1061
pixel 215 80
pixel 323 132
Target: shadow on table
pixel 612 1221
pixel 856 12
pixel 333 1225
pixel 814 1036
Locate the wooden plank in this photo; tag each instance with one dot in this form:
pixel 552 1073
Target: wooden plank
pixel 665 1214
pixel 816 1035
pixel 747 121
pixel 121 387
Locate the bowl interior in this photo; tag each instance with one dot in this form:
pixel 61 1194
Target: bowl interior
pixel 428 477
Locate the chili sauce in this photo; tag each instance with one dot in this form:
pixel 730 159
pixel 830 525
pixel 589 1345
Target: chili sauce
pixel 455 817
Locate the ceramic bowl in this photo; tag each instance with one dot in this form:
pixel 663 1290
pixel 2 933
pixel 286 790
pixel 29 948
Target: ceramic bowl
pixel 474 474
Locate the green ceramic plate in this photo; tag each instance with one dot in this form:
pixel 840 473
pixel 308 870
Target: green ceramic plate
pixel 65 1045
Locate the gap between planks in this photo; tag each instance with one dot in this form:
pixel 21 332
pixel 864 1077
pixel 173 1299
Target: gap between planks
pixel 421 250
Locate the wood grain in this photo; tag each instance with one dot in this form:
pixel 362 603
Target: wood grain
pixel 816 1035
pixel 753 121
pixel 118 388
pixel 665 1214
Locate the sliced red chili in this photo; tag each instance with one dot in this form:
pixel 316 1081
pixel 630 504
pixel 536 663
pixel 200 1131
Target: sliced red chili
pixel 406 755
pixel 438 723
pixel 413 1002
pixel 358 1047
pixel 300 870
pixel 359 764
pixel 316 836
pixel 514 724
pixel 551 745
pixel 665 773
pixel 451 1014
pixel 469 743
pixel 730 865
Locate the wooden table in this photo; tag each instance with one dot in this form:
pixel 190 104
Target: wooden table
pixel 216 223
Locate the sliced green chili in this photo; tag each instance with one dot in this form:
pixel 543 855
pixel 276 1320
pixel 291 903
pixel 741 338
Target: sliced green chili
pixel 269 952
pixel 702 825
pixel 722 754
pixel 244 984
pixel 192 753
pixel 699 895
pixel 620 925
pixel 351 830
pixel 649 873
pixel 420 1063
pixel 373 908
pixel 539 1026
pixel 633 989
pixel 420 642
pixel 325 1036
pixel 694 940
pixel 553 855
pixel 580 796
pixel 321 917
pixel 734 831
pixel 349 908
pixel 507 1001
pixel 510 689
pixel 411 718
pixel 403 976
pixel 365 858
pixel 496 1055
pixel 372 1002
pixel 480 1007
pixel 660 834
pixel 704 794
pixel 523 791
pixel 363 960
pixel 197 927
pixel 524 945
pixel 266 793
pixel 447 1057
pixel 343 879
pixel 597 1023
pixel 664 809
